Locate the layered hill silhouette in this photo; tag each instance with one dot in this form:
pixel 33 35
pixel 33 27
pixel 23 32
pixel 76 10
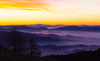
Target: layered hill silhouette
pixel 9 56
pixel 58 27
pixel 80 56
pixel 76 28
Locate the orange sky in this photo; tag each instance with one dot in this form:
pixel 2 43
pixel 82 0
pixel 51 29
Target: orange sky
pixel 67 12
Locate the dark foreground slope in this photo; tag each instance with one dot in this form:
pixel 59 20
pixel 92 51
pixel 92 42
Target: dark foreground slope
pixel 8 56
pixel 80 56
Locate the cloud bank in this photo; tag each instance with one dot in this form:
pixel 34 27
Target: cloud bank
pixel 60 6
pixel 23 4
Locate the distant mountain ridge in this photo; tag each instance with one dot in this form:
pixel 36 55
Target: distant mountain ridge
pixel 76 28
pixel 53 27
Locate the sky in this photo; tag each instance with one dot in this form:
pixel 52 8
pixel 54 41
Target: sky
pixel 52 12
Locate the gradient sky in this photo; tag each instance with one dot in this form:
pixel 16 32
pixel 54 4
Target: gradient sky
pixel 66 12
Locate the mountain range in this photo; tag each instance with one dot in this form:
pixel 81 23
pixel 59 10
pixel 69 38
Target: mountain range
pixel 53 27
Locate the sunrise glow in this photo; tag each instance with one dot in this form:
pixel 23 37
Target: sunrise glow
pixel 67 12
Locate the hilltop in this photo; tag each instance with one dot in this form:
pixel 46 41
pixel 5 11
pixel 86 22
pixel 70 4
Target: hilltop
pixel 9 56
pixel 79 56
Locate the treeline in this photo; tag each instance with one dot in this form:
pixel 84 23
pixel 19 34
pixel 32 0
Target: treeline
pixel 15 42
pixel 80 56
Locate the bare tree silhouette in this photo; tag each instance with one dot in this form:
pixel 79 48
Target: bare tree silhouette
pixel 15 40
pixel 33 48
pixel 1 46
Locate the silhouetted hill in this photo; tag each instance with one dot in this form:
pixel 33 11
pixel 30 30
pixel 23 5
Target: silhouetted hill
pixel 55 27
pixel 58 50
pixel 29 28
pixel 76 28
pixel 41 38
pixel 3 29
pixel 9 56
pixel 80 56
pixel 21 27
pixel 37 37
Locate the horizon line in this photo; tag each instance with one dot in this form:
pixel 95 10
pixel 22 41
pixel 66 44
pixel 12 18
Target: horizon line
pixel 49 24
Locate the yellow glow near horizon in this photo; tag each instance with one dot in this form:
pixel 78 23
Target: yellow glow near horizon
pixel 26 12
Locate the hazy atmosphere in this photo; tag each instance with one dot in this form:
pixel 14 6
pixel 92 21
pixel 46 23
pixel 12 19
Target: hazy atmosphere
pixel 49 30
pixel 51 38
